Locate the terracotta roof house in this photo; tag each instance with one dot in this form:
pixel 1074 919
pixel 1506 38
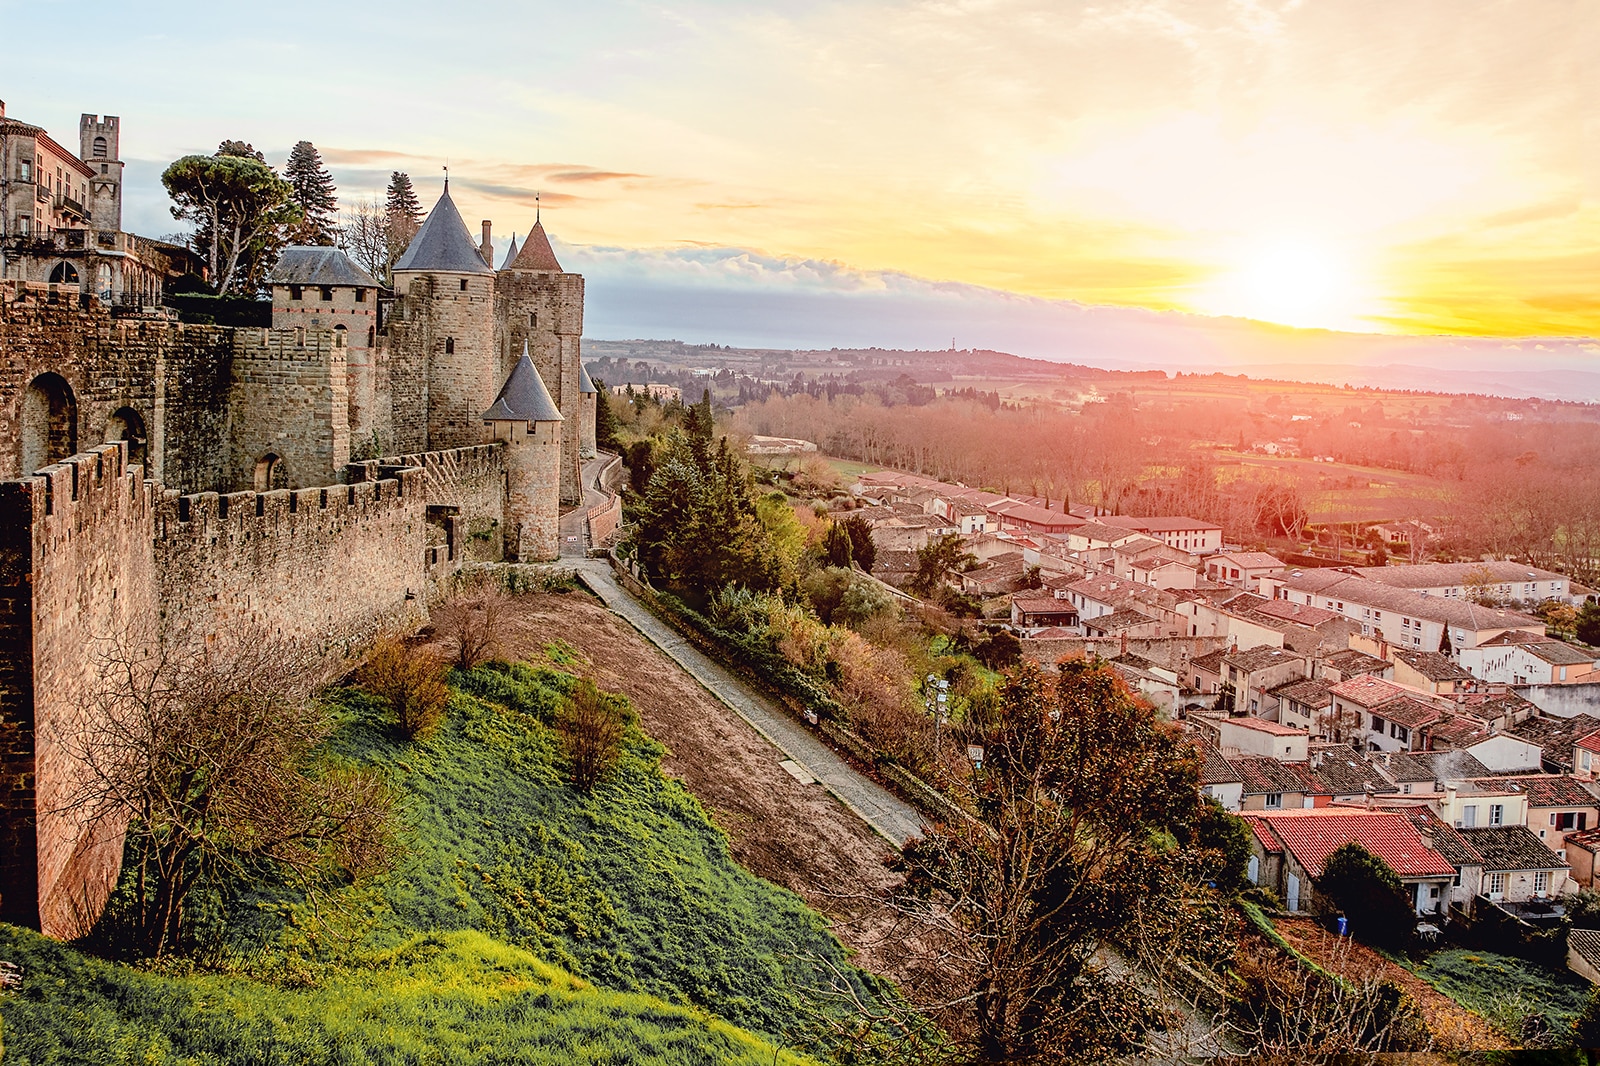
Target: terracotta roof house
pixel 1557 805
pixel 1290 848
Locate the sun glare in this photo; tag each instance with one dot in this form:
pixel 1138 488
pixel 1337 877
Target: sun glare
pixel 1293 283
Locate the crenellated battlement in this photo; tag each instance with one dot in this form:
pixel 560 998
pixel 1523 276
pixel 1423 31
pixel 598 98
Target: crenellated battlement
pixel 256 514
pixel 297 344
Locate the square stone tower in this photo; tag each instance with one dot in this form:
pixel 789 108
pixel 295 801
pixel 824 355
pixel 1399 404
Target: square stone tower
pixel 99 145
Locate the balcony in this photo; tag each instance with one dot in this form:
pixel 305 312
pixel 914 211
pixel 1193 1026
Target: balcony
pixel 68 206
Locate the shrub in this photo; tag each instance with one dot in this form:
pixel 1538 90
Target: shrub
pixel 592 727
pixel 1368 891
pixel 411 682
pixel 472 624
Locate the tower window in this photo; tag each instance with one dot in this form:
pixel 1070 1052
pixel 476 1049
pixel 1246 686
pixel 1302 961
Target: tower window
pixel 294 292
pixel 105 169
pixel 463 284
pixel 361 296
pixel 450 343
pixel 99 147
pixel 533 318
pixel 327 292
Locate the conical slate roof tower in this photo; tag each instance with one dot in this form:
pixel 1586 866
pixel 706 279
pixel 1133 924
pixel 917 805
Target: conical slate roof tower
pixel 443 244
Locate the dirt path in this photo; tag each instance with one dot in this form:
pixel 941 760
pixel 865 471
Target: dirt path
pixel 793 834
pixel 1454 1027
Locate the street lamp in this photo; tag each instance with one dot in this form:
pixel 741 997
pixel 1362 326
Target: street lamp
pixel 937 693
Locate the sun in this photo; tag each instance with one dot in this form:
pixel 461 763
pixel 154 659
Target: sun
pixel 1293 282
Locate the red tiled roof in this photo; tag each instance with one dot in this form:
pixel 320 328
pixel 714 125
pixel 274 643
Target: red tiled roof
pixel 1311 837
pixel 1277 729
pixel 1364 690
pixel 1589 742
pixel 1262 775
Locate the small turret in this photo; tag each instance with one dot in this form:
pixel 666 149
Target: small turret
pixel 527 421
pixel 589 397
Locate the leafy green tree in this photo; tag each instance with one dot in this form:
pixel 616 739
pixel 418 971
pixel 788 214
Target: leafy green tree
pixel 242 211
pixel 1370 894
pixel 1588 626
pixel 1221 842
pixel 1081 792
pixel 862 550
pixel 937 558
pixel 314 192
pixel 784 532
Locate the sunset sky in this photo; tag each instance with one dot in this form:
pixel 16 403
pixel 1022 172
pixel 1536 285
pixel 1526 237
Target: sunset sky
pixel 1401 166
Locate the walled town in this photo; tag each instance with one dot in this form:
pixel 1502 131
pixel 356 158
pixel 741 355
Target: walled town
pixel 1304 787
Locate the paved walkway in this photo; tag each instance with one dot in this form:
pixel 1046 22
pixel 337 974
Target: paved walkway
pixel 574 527
pixel 887 815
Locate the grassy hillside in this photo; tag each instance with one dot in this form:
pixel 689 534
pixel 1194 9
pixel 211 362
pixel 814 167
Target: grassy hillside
pixel 527 922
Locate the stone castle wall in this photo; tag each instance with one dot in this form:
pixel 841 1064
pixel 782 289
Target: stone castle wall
pixel 328 567
pixel 175 377
pixel 290 398
pixel 76 569
pixel 465 490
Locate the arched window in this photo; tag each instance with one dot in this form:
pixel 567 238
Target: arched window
pixel 449 346
pixel 99 148
pixel 64 274
pixel 340 336
pixel 270 473
pixel 533 318
pixel 127 424
pixel 49 422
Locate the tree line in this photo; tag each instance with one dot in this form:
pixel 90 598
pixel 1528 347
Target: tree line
pixel 244 214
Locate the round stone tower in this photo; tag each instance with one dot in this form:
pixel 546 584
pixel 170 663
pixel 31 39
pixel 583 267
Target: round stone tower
pixel 527 421
pixel 539 309
pixel 590 397
pixel 448 309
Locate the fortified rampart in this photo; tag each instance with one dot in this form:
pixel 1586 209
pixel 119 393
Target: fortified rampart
pixel 76 568
pixel 323 567
pixel 465 492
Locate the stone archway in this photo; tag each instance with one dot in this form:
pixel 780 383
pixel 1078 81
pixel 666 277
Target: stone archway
pixel 64 274
pixel 49 422
pixel 270 473
pixel 127 424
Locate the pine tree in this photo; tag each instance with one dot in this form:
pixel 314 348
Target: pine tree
pixel 403 205
pixel 403 215
pixel 314 191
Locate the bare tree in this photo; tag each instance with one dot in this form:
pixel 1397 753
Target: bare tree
pixel 411 681
pixel 472 624
pixel 212 761
pixel 364 235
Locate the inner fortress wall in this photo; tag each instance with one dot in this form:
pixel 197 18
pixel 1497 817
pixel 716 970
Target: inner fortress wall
pixel 174 377
pixel 289 400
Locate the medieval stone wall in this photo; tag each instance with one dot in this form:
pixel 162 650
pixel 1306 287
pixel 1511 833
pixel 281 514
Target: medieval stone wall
pixel 465 490
pixel 174 377
pixel 289 399
pixel 76 570
pixel 448 338
pixel 328 566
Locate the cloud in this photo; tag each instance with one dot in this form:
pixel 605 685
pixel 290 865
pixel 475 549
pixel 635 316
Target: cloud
pixel 736 296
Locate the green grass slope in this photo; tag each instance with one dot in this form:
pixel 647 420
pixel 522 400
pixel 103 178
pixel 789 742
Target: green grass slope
pixel 527 922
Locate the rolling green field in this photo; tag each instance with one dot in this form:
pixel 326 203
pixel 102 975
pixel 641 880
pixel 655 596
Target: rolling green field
pixel 527 923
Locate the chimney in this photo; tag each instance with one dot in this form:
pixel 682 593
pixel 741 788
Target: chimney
pixel 486 249
pixel 2 109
